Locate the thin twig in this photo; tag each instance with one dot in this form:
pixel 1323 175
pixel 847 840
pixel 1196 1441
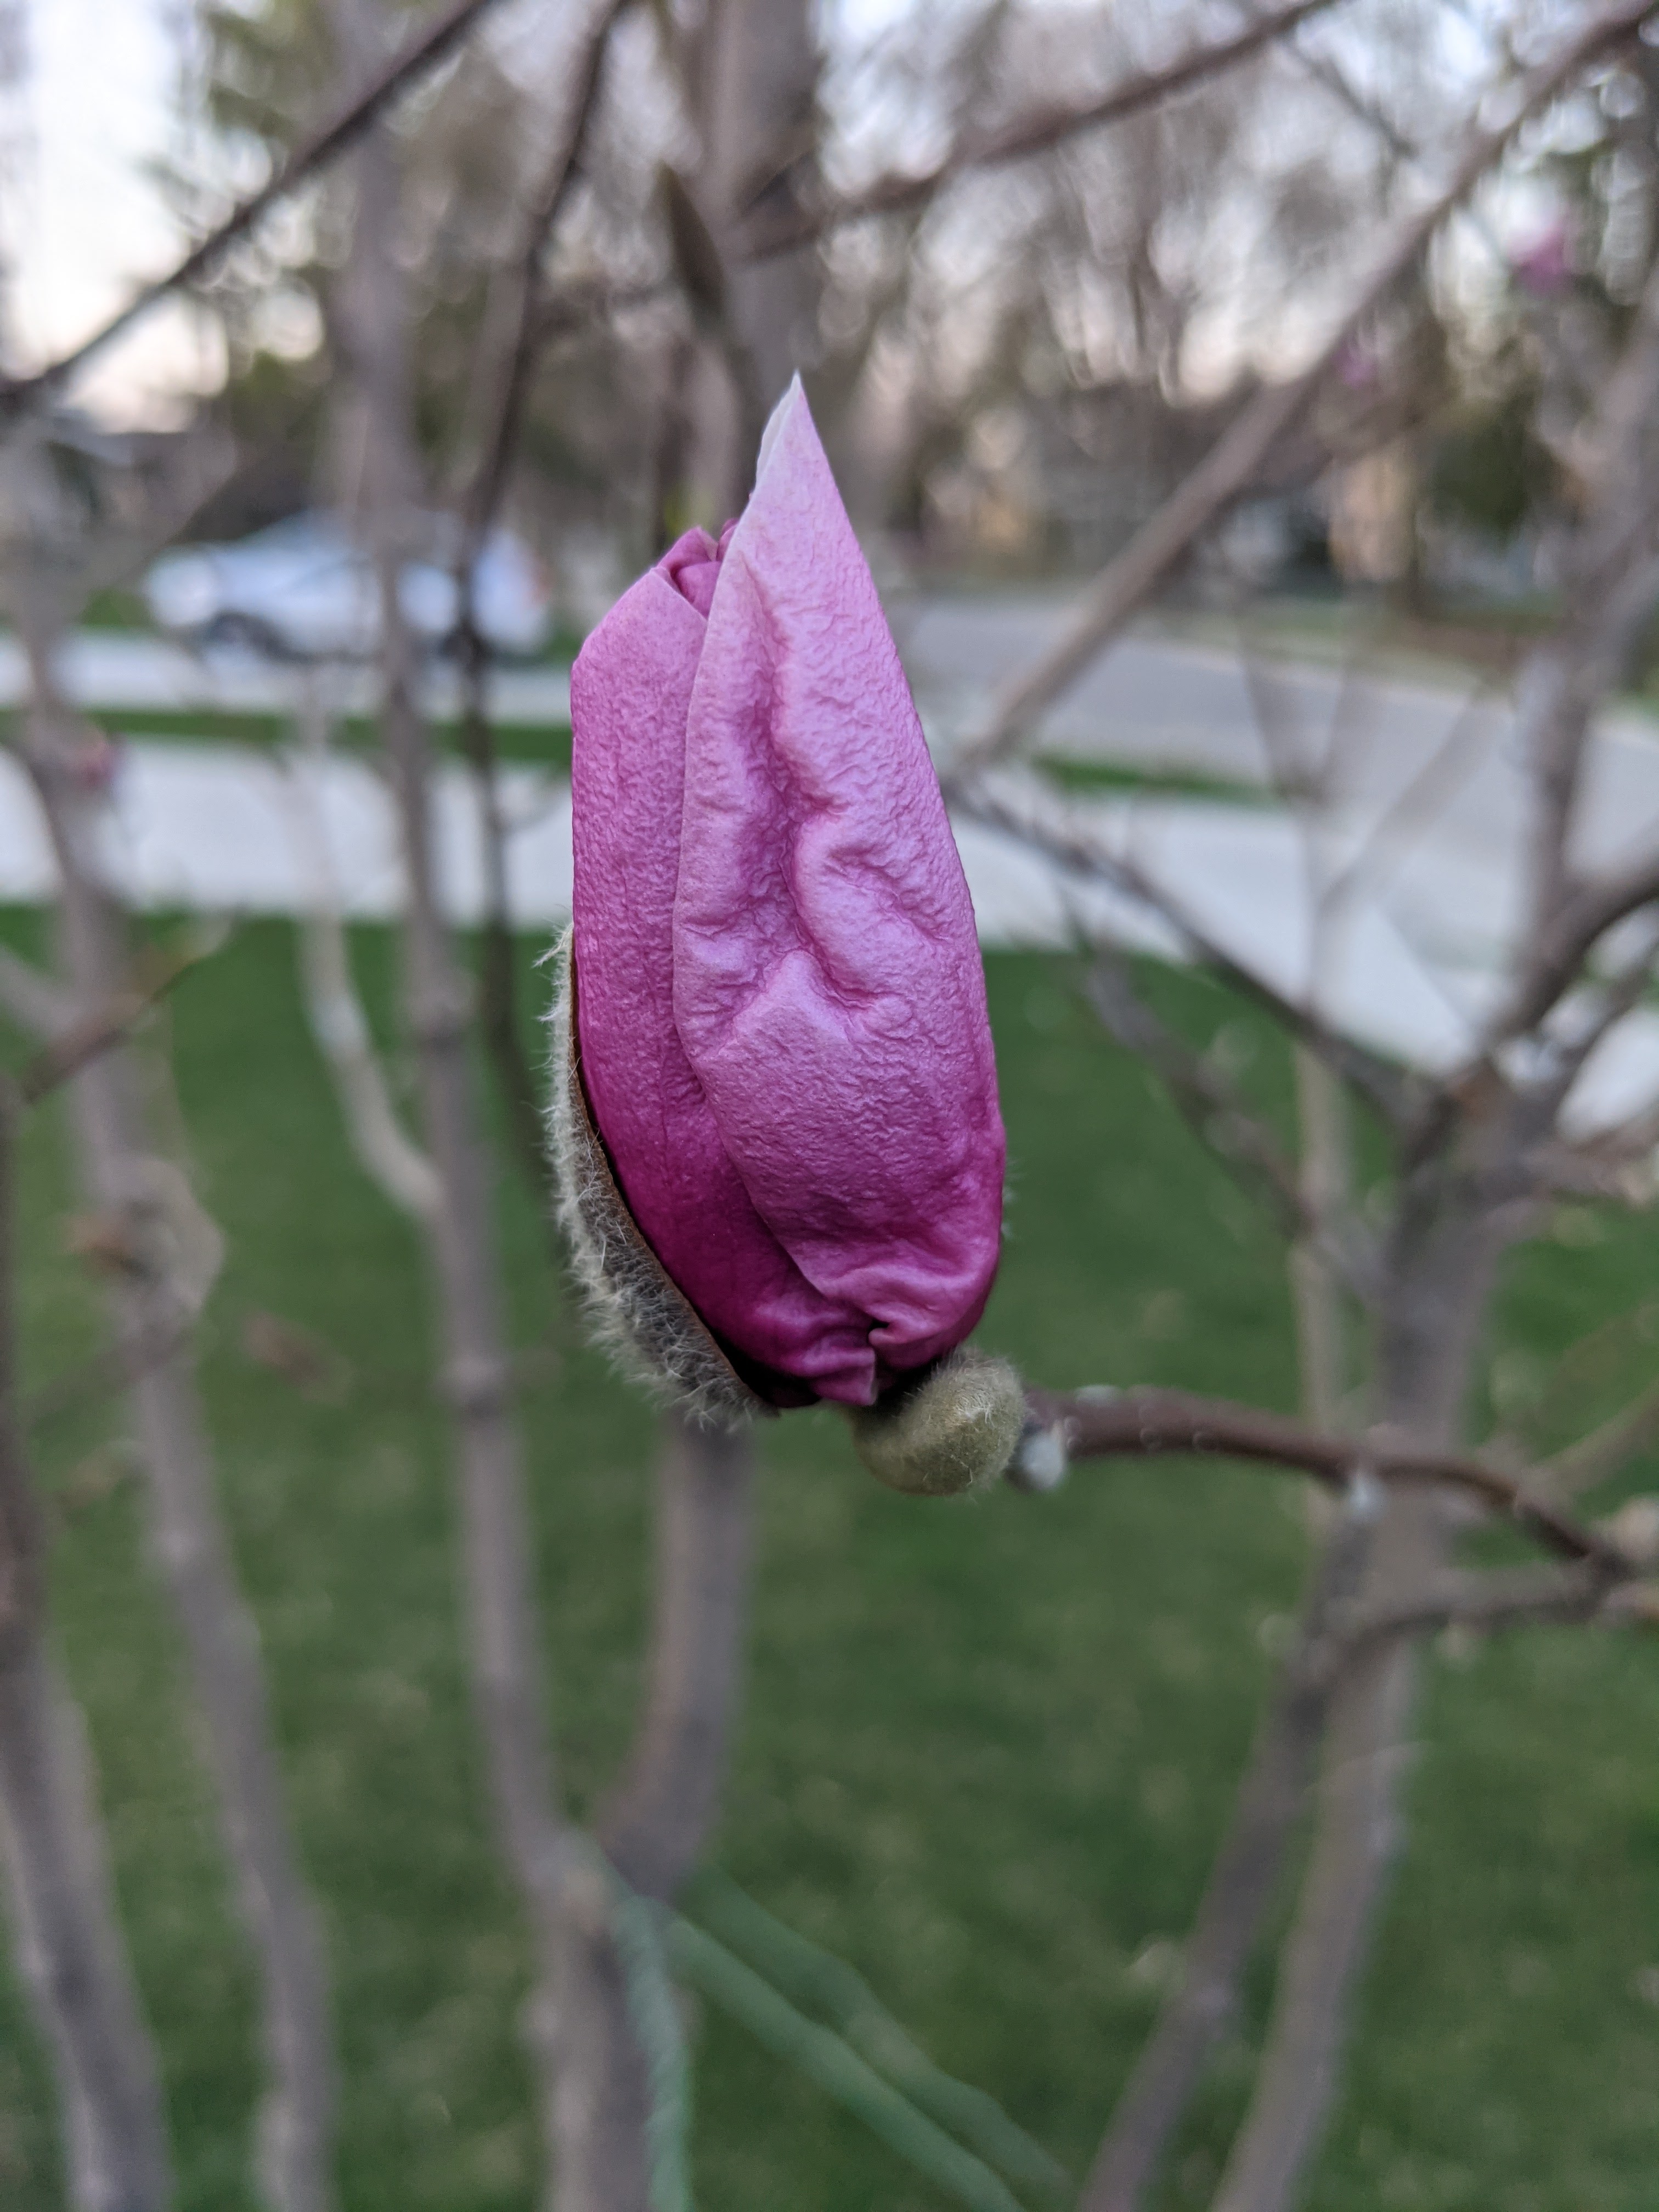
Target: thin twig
pixel 1023 813
pixel 82 1040
pixel 31 999
pixel 839 2070
pixel 1036 133
pixel 70 1939
pixel 1144 1423
pixel 1609 1447
pixel 1244 1877
pixel 512 377
pixel 1218 1114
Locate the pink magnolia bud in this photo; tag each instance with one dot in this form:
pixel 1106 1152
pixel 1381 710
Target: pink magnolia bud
pixel 780 1009
pixel 1544 267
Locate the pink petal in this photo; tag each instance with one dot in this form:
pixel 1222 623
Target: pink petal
pixel 827 984
pixel 630 690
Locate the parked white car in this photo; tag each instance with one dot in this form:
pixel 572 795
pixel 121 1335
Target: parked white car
pixel 303 590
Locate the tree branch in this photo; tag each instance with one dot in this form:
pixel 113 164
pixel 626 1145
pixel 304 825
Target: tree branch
pixel 149 1306
pixel 998 806
pixel 1036 133
pixel 1243 1879
pixel 82 1040
pixel 514 373
pixel 655 1827
pixel 363 108
pixel 1145 1423
pixel 31 999
pixel 70 1939
pixel 1214 1110
pixel 1128 580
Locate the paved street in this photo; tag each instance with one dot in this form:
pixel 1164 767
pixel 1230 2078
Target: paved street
pixel 1424 818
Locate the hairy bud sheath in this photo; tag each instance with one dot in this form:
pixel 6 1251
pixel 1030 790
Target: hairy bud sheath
pixel 777 1093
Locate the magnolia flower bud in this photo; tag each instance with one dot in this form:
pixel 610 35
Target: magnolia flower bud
pixel 779 1118
pixel 637 1312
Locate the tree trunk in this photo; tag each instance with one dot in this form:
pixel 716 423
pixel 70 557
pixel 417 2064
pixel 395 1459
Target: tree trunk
pixel 756 93
pixel 659 1821
pixel 70 1946
pixel 128 1185
pixel 1444 1256
pixel 69 1937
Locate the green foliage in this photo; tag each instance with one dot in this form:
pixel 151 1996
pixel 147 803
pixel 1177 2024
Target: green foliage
pixel 988 1745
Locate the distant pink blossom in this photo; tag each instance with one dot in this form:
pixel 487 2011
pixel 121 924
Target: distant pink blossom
pixel 780 1006
pixel 1545 267
pixel 1356 365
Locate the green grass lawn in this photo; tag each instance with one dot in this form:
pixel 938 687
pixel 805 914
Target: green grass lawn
pixel 987 1746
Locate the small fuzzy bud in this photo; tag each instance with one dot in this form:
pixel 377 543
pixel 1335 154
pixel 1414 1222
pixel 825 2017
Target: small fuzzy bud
pixel 638 1313
pixel 955 1430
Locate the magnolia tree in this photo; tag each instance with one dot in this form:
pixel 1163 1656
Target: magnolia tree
pixel 775 1133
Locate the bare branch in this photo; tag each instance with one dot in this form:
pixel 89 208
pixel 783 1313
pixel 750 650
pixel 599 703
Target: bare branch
pixel 70 1940
pixel 1036 133
pixel 470 1346
pixel 1128 582
pixel 1056 833
pixel 335 1011
pixel 1216 1112
pixel 1608 1447
pixel 513 374
pixel 1144 1423
pixel 363 108
pixel 82 1040
pixel 1522 1596
pixel 31 998
pixel 1565 946
pixel 1243 1879
pixel 148 1301
pixel 654 1828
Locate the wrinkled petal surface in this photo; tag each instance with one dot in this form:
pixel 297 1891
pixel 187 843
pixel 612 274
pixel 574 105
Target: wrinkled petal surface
pixel 780 1002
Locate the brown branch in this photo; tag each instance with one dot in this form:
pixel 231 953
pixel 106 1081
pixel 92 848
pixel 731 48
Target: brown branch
pixel 190 1541
pixel 1128 580
pixel 1145 1423
pixel 1064 841
pixel 1522 1596
pixel 470 1347
pixel 1568 942
pixel 516 363
pixel 1243 1880
pixel 363 108
pixel 655 1827
pixel 108 1024
pixel 514 371
pixel 1608 1447
pixel 72 1953
pixel 32 1000
pixel 1038 132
